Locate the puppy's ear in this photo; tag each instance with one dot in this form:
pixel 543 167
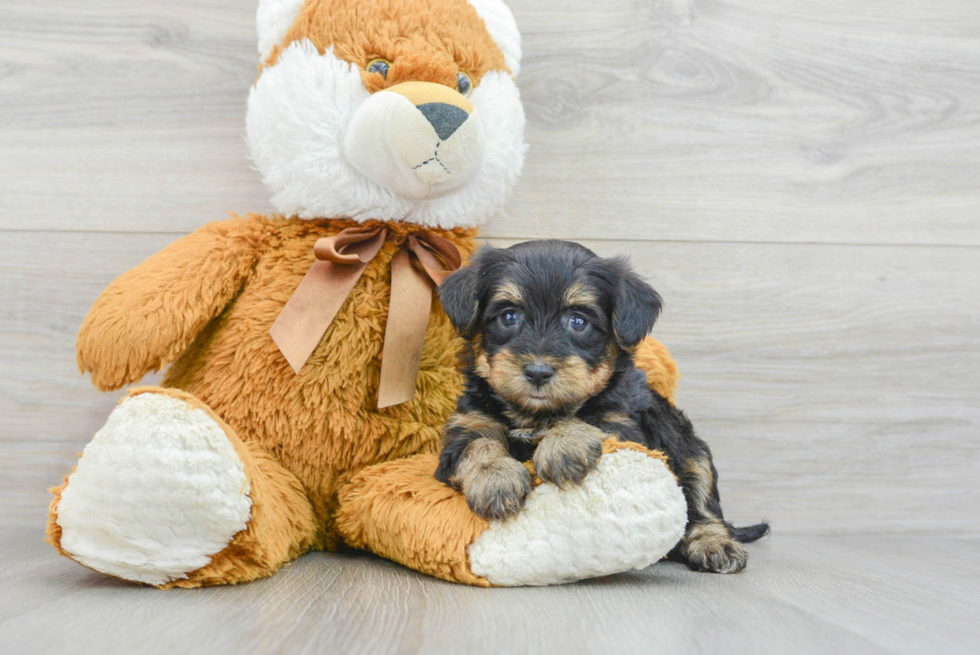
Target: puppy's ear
pixel 460 294
pixel 636 307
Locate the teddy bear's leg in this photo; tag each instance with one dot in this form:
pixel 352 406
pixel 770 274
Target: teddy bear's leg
pixel 167 494
pixel 626 514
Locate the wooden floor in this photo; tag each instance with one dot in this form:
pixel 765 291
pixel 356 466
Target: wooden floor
pixel 800 179
pixel 837 595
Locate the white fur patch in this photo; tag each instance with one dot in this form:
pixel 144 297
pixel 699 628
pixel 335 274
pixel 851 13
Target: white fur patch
pixel 503 29
pixel 627 514
pixel 298 114
pixel 157 492
pixel 272 20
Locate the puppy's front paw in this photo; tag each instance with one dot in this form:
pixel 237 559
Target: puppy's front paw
pixel 524 434
pixel 497 489
pixel 567 453
pixel 710 548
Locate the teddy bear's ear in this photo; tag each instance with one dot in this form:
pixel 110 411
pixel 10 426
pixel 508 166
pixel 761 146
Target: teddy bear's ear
pixel 503 28
pixel 273 19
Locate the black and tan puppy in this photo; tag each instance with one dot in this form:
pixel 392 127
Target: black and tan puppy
pixel 550 374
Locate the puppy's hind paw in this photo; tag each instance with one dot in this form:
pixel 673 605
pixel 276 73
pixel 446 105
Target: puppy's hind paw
pixel 712 550
pixel 498 490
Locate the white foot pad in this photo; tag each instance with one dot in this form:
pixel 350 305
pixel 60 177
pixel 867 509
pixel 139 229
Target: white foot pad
pixel 158 491
pixel 627 514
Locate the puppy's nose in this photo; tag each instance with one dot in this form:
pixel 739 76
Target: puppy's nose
pixel 538 373
pixel 444 118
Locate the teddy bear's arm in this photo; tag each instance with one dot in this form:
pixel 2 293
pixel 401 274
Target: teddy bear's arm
pixel 148 315
pixel 653 358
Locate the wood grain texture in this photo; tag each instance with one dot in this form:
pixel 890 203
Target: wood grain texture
pixel 799 595
pixel 835 384
pixel 788 120
pixel 797 120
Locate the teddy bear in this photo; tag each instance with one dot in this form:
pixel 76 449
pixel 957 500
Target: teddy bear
pixel 309 365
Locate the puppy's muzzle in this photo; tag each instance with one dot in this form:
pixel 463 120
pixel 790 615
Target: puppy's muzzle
pixel 417 139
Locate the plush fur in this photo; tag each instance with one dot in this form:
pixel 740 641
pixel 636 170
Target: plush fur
pixel 316 80
pixel 201 482
pixel 625 515
pixel 281 525
pixel 301 460
pixel 275 17
pixel 550 375
pixel 231 364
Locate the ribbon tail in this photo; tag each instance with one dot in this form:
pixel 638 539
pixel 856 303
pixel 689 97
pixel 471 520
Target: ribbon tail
pixel 408 319
pixel 311 309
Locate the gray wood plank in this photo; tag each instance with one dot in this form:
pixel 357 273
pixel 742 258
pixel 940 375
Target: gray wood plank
pixel 769 121
pixel 837 385
pixel 799 595
pixel 802 120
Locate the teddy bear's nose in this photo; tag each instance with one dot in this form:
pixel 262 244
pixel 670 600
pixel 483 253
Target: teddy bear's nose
pixel 444 118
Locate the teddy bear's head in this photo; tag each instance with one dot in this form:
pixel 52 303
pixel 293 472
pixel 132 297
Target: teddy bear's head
pixel 397 110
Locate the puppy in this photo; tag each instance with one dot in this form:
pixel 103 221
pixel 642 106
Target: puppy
pixel 549 375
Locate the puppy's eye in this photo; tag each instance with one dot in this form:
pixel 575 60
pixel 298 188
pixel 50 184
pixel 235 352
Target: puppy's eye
pixel 379 66
pixel 577 322
pixel 463 84
pixel 510 318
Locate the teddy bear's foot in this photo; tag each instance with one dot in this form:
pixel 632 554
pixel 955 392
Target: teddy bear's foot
pixel 166 494
pixel 158 491
pixel 627 513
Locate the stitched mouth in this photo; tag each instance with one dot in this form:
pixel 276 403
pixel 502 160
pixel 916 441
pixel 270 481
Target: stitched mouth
pixel 434 158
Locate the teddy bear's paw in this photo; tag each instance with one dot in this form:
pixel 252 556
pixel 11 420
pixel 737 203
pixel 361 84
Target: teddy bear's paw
pixel 627 514
pixel 157 492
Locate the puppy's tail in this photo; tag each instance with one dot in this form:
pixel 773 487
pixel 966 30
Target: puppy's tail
pixel 749 533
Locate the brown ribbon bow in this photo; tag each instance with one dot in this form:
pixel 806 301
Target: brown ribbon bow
pixel 340 261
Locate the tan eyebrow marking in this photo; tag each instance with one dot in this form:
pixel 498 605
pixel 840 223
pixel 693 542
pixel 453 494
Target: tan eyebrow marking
pixel 578 295
pixel 508 292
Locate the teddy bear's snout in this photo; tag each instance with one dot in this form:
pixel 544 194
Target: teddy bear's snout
pixel 417 139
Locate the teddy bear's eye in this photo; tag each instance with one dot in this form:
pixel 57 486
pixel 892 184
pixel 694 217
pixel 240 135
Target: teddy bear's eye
pixel 379 66
pixel 463 84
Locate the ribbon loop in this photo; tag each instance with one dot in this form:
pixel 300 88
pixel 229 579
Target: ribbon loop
pixel 355 245
pixel 432 251
pixel 340 261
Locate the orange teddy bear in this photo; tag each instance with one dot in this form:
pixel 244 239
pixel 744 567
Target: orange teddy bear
pixel 297 413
